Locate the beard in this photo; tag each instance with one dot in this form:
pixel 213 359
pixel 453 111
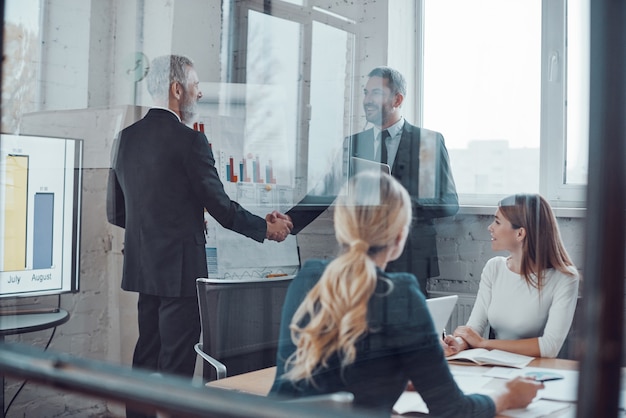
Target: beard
pixel 188 109
pixel 377 114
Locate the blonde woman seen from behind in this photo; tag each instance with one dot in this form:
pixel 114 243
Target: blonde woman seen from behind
pixel 349 326
pixel 527 299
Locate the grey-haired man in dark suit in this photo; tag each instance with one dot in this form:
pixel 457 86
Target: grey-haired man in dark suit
pixel 162 178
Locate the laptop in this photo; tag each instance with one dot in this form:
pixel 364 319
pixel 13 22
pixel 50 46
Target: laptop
pixel 440 310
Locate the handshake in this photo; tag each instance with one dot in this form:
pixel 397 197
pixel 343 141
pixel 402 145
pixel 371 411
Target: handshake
pixel 279 226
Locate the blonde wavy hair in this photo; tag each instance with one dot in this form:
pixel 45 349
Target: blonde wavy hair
pixel 370 214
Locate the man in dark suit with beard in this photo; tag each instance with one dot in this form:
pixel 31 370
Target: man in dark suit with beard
pixel 418 158
pixel 163 176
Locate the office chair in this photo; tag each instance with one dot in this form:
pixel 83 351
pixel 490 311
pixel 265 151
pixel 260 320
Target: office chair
pixel 569 350
pixel 240 325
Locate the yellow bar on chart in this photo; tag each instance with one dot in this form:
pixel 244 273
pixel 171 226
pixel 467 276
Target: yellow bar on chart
pixel 16 203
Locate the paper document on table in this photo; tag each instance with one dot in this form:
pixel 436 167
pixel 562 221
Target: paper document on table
pixel 504 372
pixel 540 408
pixel 468 379
pixel 410 402
pixel 564 390
pixel 472 384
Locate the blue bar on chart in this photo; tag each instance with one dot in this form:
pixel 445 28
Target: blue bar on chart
pixel 43 230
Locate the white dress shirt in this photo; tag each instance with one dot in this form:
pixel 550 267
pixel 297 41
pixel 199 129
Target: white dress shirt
pixel 393 142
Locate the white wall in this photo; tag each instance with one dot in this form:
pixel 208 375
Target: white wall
pixel 65 54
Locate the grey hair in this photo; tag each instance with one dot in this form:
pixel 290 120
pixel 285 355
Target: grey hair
pixel 397 83
pixel 164 71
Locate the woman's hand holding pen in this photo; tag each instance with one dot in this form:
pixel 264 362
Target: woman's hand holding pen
pixel 453 345
pixel 469 336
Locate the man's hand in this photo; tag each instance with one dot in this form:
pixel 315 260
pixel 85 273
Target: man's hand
pixel 275 215
pixel 279 226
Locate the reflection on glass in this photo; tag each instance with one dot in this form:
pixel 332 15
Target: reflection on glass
pixel 273 73
pixel 483 91
pixel 21 60
pixel 577 91
pixel 331 71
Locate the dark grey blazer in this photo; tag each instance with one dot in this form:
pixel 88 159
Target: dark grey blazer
pixel 420 254
pixel 163 175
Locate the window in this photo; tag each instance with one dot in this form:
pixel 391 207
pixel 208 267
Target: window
pixel 494 84
pixel 20 68
pixel 308 53
pixel 577 91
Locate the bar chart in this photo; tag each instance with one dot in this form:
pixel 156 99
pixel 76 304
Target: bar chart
pixel 38 214
pixel 253 180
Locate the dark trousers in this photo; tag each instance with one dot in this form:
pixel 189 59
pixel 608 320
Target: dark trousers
pixel 168 330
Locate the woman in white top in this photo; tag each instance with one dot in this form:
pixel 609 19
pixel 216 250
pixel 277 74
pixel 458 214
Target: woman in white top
pixel 528 298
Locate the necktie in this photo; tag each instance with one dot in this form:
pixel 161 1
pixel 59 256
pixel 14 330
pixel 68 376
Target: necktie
pixel 383 146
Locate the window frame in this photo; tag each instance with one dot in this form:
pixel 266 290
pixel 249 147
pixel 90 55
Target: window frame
pixel 553 135
pixel 305 15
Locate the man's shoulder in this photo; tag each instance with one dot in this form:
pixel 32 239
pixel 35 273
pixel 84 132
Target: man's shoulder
pixel 412 129
pixel 156 119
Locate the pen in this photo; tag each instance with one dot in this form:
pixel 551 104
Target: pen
pixel 443 334
pixel 269 276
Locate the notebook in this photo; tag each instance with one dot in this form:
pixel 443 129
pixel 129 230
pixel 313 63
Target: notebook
pixel 440 310
pixel 484 357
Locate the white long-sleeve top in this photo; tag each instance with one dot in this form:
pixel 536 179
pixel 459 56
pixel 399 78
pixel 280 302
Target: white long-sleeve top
pixel 516 310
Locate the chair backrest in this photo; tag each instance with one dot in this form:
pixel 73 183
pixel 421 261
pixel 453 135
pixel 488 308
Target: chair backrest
pixel 569 350
pixel 240 323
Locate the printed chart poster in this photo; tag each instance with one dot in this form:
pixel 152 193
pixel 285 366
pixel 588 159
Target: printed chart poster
pixel 40 187
pixel 232 256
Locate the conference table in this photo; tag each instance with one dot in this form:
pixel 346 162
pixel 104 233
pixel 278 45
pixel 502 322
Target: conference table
pixel 259 382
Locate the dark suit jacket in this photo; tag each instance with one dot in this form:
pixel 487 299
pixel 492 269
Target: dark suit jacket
pixel 162 177
pixel 420 253
pixel 401 344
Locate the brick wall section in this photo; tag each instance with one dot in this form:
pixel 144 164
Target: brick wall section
pixel 463 242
